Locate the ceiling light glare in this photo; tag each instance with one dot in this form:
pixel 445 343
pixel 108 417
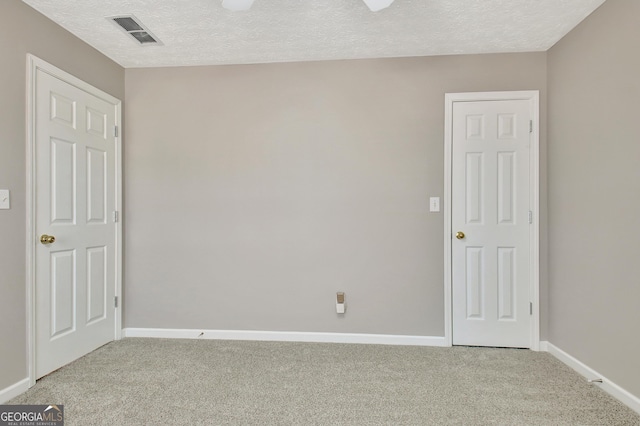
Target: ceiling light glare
pixel 237 5
pixel 376 5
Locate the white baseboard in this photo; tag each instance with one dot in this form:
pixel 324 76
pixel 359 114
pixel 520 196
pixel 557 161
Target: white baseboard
pixel 14 390
pixel 621 394
pixel 286 336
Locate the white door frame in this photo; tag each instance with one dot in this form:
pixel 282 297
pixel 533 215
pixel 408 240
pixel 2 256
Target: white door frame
pixel 33 65
pixel 534 235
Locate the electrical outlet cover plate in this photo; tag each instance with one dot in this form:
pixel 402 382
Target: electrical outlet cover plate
pixel 5 202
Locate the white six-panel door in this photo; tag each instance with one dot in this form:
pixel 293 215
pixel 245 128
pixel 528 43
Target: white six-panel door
pixel 75 197
pixel 490 204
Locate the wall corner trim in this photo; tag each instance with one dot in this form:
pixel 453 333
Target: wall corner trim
pixel 286 336
pixel 14 390
pixel 616 391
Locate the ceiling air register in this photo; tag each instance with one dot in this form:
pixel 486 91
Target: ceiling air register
pixel 134 28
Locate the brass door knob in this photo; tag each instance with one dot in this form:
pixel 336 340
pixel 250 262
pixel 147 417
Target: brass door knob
pixel 47 239
pixel 459 235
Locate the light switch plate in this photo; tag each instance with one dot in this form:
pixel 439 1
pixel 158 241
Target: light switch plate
pixel 5 202
pixel 434 204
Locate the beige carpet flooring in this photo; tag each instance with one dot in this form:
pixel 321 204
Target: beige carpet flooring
pixel 208 382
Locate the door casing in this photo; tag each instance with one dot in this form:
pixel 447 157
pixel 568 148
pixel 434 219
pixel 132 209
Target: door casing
pixel 33 64
pixel 533 96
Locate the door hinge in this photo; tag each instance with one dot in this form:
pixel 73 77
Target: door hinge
pixel 530 308
pixel 116 301
pixel 115 131
pixel 530 217
pixel 115 216
pixel 530 126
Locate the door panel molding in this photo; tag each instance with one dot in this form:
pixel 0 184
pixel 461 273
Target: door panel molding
pixel 35 64
pixel 533 97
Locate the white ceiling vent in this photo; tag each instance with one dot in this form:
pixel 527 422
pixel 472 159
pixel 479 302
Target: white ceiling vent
pixel 132 26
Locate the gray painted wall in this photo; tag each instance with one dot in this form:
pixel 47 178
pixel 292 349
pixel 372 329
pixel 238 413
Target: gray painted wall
pixel 594 192
pixel 254 193
pixel 22 31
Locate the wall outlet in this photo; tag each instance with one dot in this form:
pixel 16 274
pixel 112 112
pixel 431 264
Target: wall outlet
pixel 340 306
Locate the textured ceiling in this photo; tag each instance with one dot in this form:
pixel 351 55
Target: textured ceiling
pixel 202 32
